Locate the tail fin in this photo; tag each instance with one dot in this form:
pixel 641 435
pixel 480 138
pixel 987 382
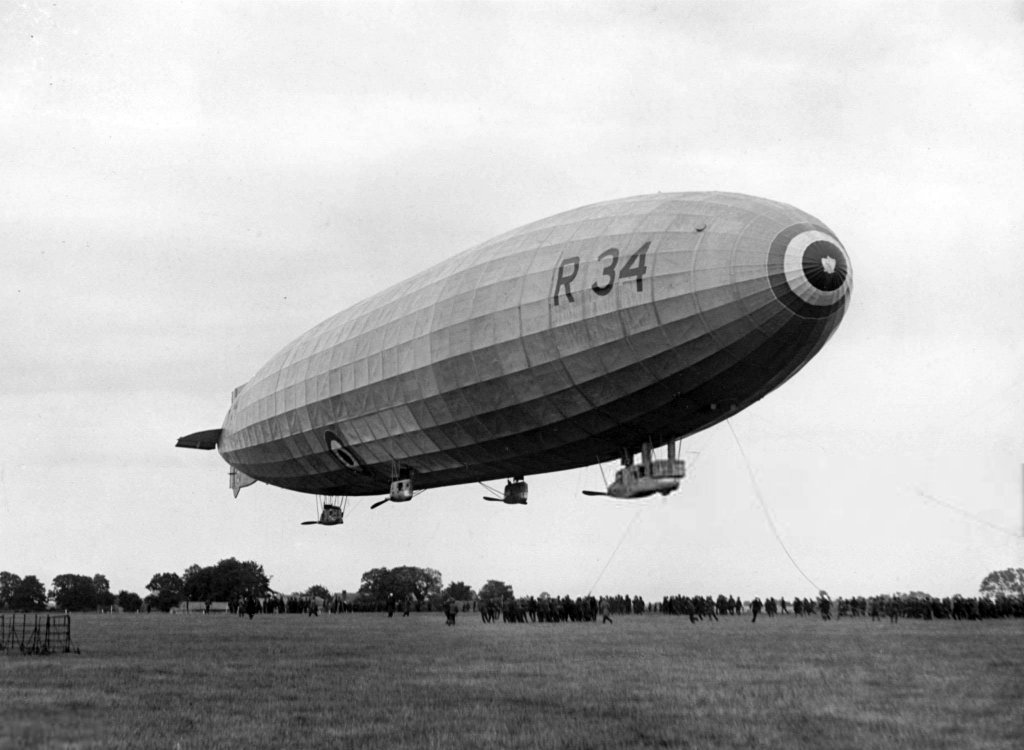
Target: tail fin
pixel 205 440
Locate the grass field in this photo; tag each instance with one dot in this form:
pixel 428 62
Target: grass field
pixel 193 681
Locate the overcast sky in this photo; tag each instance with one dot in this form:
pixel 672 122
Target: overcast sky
pixel 187 187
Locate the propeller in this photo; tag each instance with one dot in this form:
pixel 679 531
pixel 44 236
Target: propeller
pixel 379 503
pixel 491 498
pixel 310 523
pixel 592 493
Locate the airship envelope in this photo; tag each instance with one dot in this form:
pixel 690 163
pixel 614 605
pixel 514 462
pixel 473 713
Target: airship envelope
pixel 559 344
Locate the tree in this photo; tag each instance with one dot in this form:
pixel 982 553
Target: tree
pixel 226 581
pixel 74 592
pixel 318 591
pixel 104 599
pixel 128 601
pixel 29 595
pixel 1009 582
pixel 496 590
pixel 234 578
pixel 420 582
pixel 9 583
pixel 166 591
pixel 197 583
pixel 459 591
pixel 402 582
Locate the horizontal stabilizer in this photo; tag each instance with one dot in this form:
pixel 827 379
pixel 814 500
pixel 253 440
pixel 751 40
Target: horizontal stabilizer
pixel 205 440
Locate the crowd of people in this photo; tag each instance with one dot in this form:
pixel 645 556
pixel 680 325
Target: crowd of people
pixel 884 606
pixel 557 609
pixel 698 608
pixel 311 606
pixel 891 607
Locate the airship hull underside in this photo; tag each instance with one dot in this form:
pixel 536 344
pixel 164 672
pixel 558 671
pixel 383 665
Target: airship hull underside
pixel 550 347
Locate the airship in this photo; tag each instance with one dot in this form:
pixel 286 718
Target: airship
pixel 595 335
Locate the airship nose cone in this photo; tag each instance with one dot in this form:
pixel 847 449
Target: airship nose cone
pixel 809 271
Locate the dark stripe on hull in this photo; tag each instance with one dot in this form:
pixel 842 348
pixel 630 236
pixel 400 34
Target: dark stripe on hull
pixel 730 379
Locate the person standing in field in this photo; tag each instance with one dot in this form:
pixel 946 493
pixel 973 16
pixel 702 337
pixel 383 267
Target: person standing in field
pixel 709 607
pixel 825 606
pixel 406 606
pixel 391 605
pixel 893 609
pixel 544 609
pixel 605 611
pixel 755 607
pixel 873 609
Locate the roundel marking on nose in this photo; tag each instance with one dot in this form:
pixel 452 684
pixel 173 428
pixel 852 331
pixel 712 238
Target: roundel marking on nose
pixel 824 265
pixel 345 456
pixel 809 270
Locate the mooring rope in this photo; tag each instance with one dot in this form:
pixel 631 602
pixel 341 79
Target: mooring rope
pixel 910 488
pixel 625 533
pixel 764 507
pixel 968 514
pixel 612 555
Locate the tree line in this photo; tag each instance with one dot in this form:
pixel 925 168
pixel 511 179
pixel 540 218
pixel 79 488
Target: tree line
pixel 226 580
pixel 68 591
pixel 231 580
pixel 421 588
